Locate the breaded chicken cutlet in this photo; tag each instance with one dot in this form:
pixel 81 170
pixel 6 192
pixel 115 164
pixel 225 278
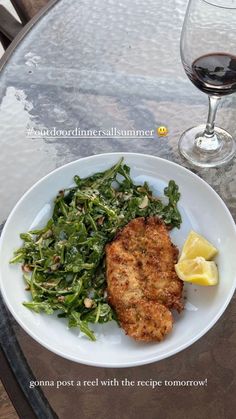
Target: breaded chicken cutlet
pixel 142 284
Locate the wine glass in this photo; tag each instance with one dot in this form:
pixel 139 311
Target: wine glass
pixel 208 53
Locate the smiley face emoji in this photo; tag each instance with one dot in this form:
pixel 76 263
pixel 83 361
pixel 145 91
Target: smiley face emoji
pixel 162 131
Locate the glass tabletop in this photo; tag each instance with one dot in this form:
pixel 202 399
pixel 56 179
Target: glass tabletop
pixel 98 65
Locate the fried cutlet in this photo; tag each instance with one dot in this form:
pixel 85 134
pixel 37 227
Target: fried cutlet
pixel 141 278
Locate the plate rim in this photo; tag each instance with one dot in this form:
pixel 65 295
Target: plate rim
pixel 130 363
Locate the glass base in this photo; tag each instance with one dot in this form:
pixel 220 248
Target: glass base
pixel 192 149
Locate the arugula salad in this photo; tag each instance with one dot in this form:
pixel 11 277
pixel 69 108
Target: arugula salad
pixel 63 263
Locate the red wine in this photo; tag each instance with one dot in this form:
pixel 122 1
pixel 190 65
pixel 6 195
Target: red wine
pixel 214 74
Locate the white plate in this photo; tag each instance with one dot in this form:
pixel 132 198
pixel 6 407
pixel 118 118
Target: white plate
pixel 202 210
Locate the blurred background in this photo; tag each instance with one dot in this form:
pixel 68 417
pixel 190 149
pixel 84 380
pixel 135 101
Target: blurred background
pixel 8 5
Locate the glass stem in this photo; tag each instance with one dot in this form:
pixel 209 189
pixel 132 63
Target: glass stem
pixel 208 140
pixel 213 106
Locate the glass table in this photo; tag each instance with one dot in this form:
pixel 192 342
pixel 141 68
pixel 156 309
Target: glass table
pixel 98 64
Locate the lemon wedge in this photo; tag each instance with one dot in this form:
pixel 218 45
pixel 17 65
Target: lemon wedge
pixel 195 246
pixel 198 271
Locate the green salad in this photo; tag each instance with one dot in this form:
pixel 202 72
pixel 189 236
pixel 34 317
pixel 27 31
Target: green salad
pixel 63 263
